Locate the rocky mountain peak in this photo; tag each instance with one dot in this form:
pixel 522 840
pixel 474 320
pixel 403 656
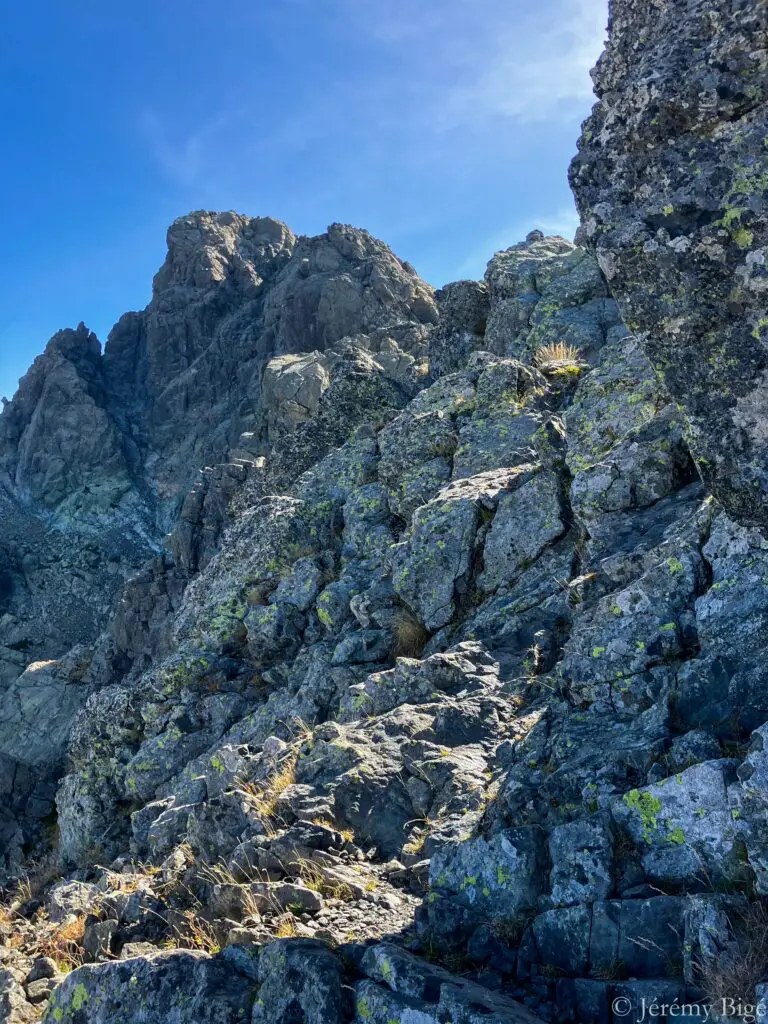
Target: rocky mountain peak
pixel 57 436
pixel 77 345
pixel 205 248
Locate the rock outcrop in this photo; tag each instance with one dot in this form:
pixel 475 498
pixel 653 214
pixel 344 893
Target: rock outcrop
pixel 444 698
pixel 100 454
pixel 235 291
pixel 671 185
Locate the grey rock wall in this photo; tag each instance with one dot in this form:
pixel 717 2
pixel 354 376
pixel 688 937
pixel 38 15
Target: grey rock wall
pixel 671 186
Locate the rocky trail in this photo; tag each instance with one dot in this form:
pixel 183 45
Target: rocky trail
pixel 370 654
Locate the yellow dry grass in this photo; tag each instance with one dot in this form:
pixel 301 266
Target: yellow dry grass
pixel 347 833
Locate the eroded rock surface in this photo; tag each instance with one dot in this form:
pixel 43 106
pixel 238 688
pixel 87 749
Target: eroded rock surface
pixel 671 185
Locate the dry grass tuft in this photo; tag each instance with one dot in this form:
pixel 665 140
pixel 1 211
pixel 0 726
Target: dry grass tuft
pixel 347 833
pixel 222 874
pixel 616 970
pixel 314 878
pixel 558 359
pixel 415 844
pixel 63 943
pixel 264 796
pixel 286 928
pixel 556 352
pixel 409 635
pixel 197 933
pixel 735 972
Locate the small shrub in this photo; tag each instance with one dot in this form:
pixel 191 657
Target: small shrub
pixel 409 635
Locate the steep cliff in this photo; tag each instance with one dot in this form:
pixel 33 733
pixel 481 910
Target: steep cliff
pixel 98 451
pixel 671 184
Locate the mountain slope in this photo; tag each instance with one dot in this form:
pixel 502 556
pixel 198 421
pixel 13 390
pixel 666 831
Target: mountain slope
pixel 452 630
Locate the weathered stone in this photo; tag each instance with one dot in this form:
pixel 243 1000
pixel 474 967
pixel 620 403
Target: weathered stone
pixel 464 308
pixel 562 938
pixel 526 522
pixel 684 827
pixel 186 986
pixel 498 878
pixel 301 983
pixel 432 567
pixel 544 291
pixel 671 192
pixel 581 854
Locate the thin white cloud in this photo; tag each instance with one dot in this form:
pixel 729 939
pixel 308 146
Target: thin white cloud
pixel 534 78
pixel 439 90
pixel 186 157
pixel 471 60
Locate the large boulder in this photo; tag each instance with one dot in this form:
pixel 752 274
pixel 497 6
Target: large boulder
pixel 497 879
pixel 464 308
pixel 301 983
pixel 185 987
pixel 547 291
pixel 684 827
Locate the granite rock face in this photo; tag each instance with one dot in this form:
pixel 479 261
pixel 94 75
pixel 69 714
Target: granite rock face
pixel 59 440
pixel 540 292
pixel 671 186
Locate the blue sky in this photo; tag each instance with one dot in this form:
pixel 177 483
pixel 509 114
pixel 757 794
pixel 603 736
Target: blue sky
pixel 445 127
